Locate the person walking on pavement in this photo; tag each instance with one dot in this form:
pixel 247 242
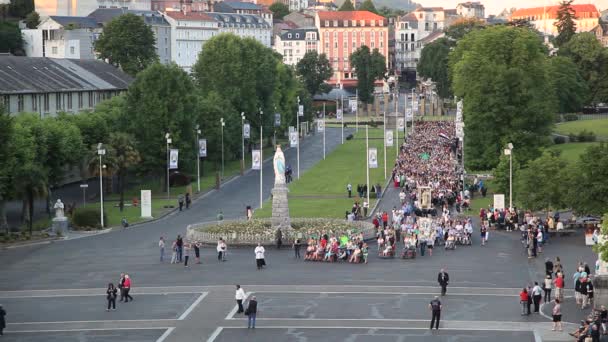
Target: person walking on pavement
pixel 557 315
pixel 240 297
pixel 523 300
pixel 180 201
pixel 443 278
pixel 127 288
pixel 161 247
pixel 2 320
pixel 537 295
pixel 188 200
pixel 349 188
pixel 174 252
pixel 252 310
pixel 548 267
pixel 259 256
pixel 197 252
pixel 548 288
pixel 221 250
pixel 435 307
pixel 279 238
pixel 111 294
pixel 296 248
pixel 186 254
pixel 180 245
pixel 121 285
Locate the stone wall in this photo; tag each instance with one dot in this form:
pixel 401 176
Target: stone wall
pixel 195 232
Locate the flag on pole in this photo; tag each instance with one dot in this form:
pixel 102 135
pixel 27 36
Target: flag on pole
pixel 293 139
pixel 320 126
pixel 339 114
pixel 202 148
pixel 256 160
pixel 388 135
pixel 173 156
pixel 246 131
pixel 300 110
pixel 372 158
pixel 401 124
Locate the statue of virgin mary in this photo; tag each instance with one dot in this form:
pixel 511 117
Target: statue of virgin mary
pixel 279 166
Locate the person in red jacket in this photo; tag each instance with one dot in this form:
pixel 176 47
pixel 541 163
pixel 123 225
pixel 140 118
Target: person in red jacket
pixel 127 288
pixel 523 300
pixel 559 286
pixel 384 219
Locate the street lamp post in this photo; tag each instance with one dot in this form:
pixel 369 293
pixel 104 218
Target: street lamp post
pixel 101 151
pixel 509 152
pixel 367 159
pixel 242 142
pixel 223 123
pixel 169 141
pixel 198 159
pixel 298 130
pixel 384 144
pixel 342 109
pixel 324 130
pixel 261 158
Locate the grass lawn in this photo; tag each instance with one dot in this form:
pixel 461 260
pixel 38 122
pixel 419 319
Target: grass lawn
pixel 598 126
pixel 133 214
pixel 328 178
pixel 571 151
pixel 479 201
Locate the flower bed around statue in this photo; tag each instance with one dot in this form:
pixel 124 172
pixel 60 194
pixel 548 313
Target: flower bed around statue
pixel 259 230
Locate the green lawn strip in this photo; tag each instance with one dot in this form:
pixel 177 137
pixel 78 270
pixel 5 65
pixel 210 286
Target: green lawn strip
pixel 479 201
pixel 313 207
pixel 571 151
pixel 597 126
pixel 132 214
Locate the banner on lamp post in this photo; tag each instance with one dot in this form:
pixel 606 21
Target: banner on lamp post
pixel 320 126
pixel 300 110
pixel 202 148
pixel 246 131
pixel 401 124
pixel 293 139
pixel 256 160
pixel 339 114
pixel 408 114
pixel 146 203
pixel 173 157
pixel 388 136
pixel 499 201
pixel 372 158
pixel 353 105
pixel 277 120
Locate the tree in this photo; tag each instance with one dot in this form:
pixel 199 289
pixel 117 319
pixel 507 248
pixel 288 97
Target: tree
pixel 501 73
pixel 368 5
pixel 7 165
pixel 20 8
pixel 369 67
pixel 501 173
pixel 592 61
pixel 461 27
pixel 433 64
pixel 32 20
pixel 314 69
pixel 161 100
pixel 127 42
pixel 538 184
pixel 568 85
pixel 565 23
pixel 388 12
pixel 279 10
pixel 347 5
pixel 10 38
pixel 586 187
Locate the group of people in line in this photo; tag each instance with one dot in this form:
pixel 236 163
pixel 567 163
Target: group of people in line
pixel 181 250
pixel 349 247
pixel 122 290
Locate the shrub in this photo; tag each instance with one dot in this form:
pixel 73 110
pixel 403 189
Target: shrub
pixel 179 179
pixel 349 137
pixel 559 140
pixel 87 218
pixel 586 135
pixel 570 117
pixel 572 137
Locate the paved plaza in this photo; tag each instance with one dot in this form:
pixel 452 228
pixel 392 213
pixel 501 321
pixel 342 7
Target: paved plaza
pixel 56 292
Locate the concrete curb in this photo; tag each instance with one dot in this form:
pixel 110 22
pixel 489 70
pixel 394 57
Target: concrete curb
pixel 28 244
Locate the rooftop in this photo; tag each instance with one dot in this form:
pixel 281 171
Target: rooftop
pixel 77 22
pixel 104 15
pixel 23 75
pixel 191 16
pixel 232 19
pixel 580 11
pixel 470 4
pixel 237 5
pixel 348 15
pixel 298 33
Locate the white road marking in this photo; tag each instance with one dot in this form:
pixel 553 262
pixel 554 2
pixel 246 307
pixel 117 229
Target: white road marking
pixel 215 334
pixel 88 329
pixel 399 293
pixel 93 295
pixel 189 310
pixel 374 328
pixel 165 335
pixel 99 321
pixel 537 337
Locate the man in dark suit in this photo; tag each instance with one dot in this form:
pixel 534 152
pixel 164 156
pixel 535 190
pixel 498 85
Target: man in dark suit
pixel 443 279
pixel 435 307
pixel 252 310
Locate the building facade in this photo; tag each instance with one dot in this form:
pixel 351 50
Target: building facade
pixel 601 33
pixel 134 5
pixel 294 44
pixel 342 33
pixel 62 37
pixel 244 25
pixel 48 86
pixel 471 10
pixel 243 8
pixel 544 18
pixel 189 32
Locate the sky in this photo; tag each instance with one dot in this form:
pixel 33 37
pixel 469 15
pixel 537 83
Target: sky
pixel 496 6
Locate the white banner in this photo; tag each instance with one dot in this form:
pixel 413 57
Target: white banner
pixel 353 105
pixel 202 148
pixel 459 129
pixel 372 158
pixel 291 129
pixel 256 160
pixel 293 139
pixel 320 126
pixel 408 114
pixel 146 203
pixel 401 124
pixel 499 201
pixel 339 114
pixel 173 156
pixel 300 110
pixel 388 136
pixel 246 131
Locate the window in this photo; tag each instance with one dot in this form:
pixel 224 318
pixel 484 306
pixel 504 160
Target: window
pixel 79 100
pixel 435 26
pixel 54 50
pixel 373 44
pixel 46 102
pixel 413 47
pixel 372 23
pixel 345 23
pixel 58 101
pixel 362 22
pixel 72 50
pixel 426 26
pixel 34 102
pixel 412 38
pixel 69 100
pixel 91 103
pixel 289 35
pixel 20 103
pixel 326 46
pixel 420 15
pixel 381 22
pixel 345 45
pixel 335 23
pixel 353 23
pixel 6 100
pixel 326 23
pixel 335 44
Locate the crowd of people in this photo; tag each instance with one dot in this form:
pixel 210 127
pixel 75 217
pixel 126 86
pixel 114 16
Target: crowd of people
pixel 349 247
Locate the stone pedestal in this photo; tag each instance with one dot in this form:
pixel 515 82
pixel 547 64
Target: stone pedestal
pixel 280 208
pixel 600 285
pixel 60 226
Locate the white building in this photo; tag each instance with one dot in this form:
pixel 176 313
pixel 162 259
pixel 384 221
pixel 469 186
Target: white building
pixel 297 5
pixel 412 32
pixel 134 5
pixel 471 10
pixel 294 44
pixel 48 86
pixel 244 25
pixel 544 18
pixel 62 37
pixel 189 32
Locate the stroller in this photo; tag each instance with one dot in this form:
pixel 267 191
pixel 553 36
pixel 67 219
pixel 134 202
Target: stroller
pixel 409 252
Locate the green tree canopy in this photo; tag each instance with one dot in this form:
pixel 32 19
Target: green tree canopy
pixel 347 5
pixel 32 20
pixel 21 8
pixel 566 26
pixel 127 42
pixel 314 69
pixel 6 167
pixel 370 66
pixel 433 64
pixel 461 27
pixel 568 85
pixel 501 72
pixel 537 185
pixel 279 10
pixel 368 5
pixel 592 61
pixel 586 186
pixel 10 38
